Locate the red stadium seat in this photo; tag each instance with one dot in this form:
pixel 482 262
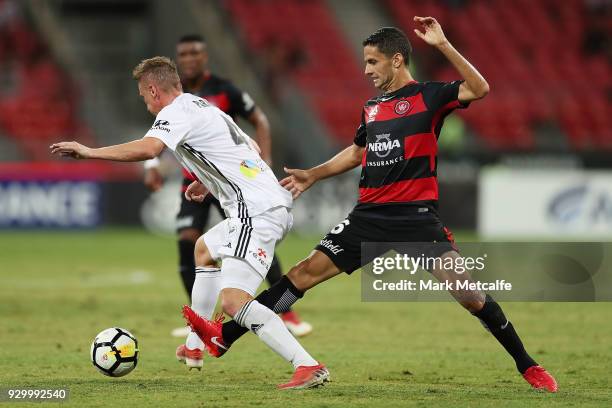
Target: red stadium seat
pixel 41 106
pixel 533 80
pixel 331 75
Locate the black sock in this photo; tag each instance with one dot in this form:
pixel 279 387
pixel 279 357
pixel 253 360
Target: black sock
pixel 275 273
pixel 278 298
pixel 492 318
pixel 187 264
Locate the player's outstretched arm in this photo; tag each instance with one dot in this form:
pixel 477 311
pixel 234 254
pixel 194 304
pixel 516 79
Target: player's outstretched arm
pixel 137 150
pixel 299 181
pixel 475 86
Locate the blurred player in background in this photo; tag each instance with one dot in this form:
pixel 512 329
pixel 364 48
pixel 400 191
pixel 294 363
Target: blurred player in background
pixel 211 146
pixel 196 78
pixel 396 146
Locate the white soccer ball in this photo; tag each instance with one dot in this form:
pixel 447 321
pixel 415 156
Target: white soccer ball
pixel 114 352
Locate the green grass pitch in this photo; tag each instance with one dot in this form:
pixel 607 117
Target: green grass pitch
pixel 59 289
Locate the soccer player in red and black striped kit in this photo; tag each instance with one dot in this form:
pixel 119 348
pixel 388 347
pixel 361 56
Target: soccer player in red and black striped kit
pixel 196 78
pixel 396 145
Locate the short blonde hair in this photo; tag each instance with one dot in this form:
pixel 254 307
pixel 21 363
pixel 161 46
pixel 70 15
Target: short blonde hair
pixel 159 70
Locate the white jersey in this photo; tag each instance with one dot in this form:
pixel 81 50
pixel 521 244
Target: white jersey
pixel 208 143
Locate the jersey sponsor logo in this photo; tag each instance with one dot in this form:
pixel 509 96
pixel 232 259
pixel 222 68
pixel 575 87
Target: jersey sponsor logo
pixel 402 107
pixel 382 163
pixel 329 244
pixel 161 125
pixel 250 169
pixel 260 256
pixel 383 145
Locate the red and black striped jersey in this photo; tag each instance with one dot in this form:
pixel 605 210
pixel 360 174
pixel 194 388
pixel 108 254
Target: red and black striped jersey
pixel 400 131
pixel 224 95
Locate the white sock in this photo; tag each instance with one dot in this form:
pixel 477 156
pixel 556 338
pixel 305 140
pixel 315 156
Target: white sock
pixel 204 295
pixel 271 330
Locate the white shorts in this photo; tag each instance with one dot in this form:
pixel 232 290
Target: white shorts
pixel 251 240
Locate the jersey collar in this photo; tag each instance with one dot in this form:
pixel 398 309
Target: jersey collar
pixel 388 96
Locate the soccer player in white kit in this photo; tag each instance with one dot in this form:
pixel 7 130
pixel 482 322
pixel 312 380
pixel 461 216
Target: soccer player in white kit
pixel 226 162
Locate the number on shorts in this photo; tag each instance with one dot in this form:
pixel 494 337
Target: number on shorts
pixel 340 227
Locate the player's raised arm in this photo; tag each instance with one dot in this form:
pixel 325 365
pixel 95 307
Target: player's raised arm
pixel 137 150
pixel 299 181
pixel 475 86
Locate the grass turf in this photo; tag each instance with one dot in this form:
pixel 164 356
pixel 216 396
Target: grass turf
pixel 58 289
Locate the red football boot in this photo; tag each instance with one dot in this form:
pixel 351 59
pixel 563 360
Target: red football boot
pixel 540 379
pixel 192 358
pixel 208 331
pixel 307 377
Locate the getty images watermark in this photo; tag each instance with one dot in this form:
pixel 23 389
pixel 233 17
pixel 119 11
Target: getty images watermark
pixel 557 271
pixel 449 265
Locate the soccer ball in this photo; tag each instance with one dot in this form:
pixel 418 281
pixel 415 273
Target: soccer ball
pixel 114 352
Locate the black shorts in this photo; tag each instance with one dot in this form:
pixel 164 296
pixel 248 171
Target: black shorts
pixel 343 243
pixel 195 215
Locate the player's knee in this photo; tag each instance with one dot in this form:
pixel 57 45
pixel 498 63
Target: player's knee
pixel 202 254
pixel 232 300
pixel 229 306
pixel 473 305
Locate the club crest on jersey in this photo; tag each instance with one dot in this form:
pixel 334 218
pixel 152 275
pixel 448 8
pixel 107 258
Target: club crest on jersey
pixel 383 145
pixel 402 107
pixel 249 169
pixel 372 114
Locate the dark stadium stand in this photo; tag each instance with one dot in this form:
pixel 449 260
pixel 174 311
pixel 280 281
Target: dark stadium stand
pixel 328 72
pixel 532 54
pixel 38 101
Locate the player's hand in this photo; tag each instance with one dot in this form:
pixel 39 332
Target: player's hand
pixel 153 179
pixel 433 31
pixel 297 182
pixel 196 192
pixel 71 149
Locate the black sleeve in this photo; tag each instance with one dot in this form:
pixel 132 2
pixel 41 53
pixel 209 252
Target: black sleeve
pixel 241 103
pixel 361 134
pixel 443 94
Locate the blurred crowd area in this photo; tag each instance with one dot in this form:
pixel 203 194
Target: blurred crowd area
pixel 39 101
pixel 65 73
pixel 548 63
